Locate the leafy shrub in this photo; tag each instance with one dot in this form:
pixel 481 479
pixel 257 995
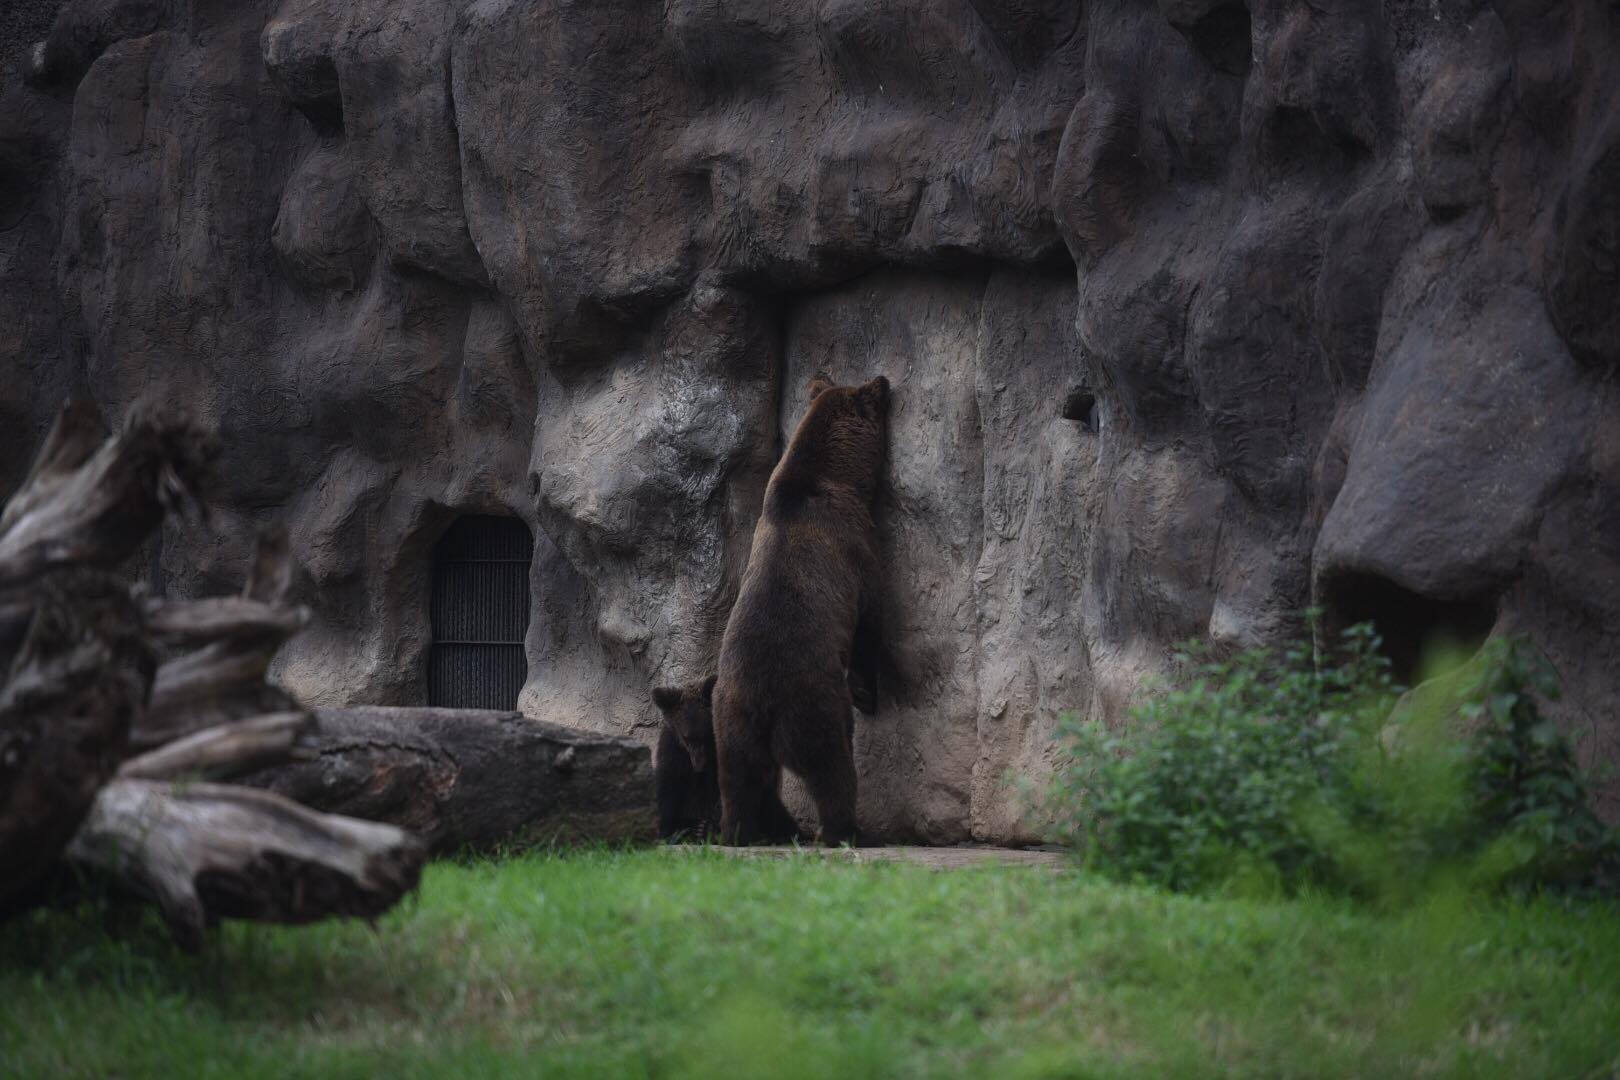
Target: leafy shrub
pixel 1524 785
pixel 1287 770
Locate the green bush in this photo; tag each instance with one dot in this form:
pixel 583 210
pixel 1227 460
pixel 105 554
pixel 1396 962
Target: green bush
pixel 1524 787
pixel 1285 770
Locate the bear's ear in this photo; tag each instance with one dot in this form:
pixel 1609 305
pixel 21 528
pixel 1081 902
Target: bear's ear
pixel 708 688
pixel 667 698
pixel 875 395
pixel 820 384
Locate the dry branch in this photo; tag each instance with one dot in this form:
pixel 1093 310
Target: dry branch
pixel 200 622
pixel 205 852
pixel 95 511
pixel 228 750
pixel 221 681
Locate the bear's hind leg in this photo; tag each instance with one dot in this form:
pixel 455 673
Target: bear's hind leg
pixel 745 811
pixel 749 779
pixel 818 750
pixel 780 826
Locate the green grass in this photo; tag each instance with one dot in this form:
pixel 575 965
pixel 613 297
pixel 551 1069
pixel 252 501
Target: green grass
pixel 665 964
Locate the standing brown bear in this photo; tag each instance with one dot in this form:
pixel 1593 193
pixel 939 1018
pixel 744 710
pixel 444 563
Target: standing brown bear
pixel 803 631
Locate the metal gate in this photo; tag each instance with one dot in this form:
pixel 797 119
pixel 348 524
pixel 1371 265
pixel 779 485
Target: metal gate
pixel 480 613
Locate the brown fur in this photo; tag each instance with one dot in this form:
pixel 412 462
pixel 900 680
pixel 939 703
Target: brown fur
pixel 684 765
pixel 803 629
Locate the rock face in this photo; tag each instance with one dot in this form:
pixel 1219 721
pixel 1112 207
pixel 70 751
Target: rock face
pixel 1197 312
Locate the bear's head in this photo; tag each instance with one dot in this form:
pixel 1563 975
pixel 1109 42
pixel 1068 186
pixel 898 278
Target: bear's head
pixel 688 710
pixel 843 437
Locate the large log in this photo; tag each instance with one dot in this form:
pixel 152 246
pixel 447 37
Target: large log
pixel 472 779
pixel 204 852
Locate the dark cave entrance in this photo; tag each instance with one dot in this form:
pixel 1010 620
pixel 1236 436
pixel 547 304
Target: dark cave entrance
pixel 480 614
pixel 1418 631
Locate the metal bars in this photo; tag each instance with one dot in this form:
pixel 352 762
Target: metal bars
pixel 480 614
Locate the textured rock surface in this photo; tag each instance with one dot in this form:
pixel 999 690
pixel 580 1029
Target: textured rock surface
pixel 1338 276
pixel 37 356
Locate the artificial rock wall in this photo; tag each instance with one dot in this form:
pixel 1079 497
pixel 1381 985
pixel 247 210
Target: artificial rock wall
pixel 1340 278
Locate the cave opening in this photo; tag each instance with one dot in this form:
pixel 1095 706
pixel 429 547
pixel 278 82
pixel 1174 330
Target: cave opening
pixel 1418 631
pixel 1081 407
pixel 479 613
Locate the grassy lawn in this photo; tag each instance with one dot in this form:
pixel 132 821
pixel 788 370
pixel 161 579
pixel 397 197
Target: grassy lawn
pixel 656 964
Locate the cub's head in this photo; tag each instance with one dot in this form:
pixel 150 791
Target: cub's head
pixel 689 713
pixel 844 433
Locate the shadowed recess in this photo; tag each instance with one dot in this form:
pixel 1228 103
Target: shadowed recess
pixel 1415 628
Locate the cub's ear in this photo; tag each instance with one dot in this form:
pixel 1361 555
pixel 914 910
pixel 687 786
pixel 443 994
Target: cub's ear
pixel 820 384
pixel 708 687
pixel 876 394
pixel 667 698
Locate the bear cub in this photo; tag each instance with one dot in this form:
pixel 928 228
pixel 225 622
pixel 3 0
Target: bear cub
pixel 803 632
pixel 683 763
pixel 684 766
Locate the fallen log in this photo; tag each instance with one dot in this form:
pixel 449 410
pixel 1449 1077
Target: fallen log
pixel 473 779
pixel 205 852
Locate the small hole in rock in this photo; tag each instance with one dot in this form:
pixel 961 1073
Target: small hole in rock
pixel 1081 407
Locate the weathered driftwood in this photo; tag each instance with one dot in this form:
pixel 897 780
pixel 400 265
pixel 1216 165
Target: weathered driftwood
pixel 80 678
pixel 463 778
pixel 78 668
pixel 90 502
pixel 232 641
pixel 217 684
pixel 86 688
pixel 75 434
pixel 227 750
pixel 204 852
pixel 220 618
